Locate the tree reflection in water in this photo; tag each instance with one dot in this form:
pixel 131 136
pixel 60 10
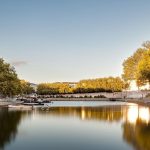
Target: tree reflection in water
pixel 109 113
pixel 135 121
pixel 9 121
pixel 137 131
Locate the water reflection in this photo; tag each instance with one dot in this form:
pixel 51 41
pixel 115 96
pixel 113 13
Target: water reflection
pixel 132 114
pixel 144 114
pixel 109 113
pixel 134 120
pixel 138 135
pixel 136 129
pixel 136 112
pixel 9 122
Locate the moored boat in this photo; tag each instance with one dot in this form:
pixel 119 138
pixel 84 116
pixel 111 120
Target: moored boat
pixel 19 106
pixel 33 104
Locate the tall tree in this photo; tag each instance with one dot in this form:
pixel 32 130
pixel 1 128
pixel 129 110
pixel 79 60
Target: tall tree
pixel 9 82
pixel 26 87
pixel 143 73
pixel 137 67
pixel 131 63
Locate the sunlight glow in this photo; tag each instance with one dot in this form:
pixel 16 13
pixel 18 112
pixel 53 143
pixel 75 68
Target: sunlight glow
pixel 144 114
pixel 138 112
pixel 82 114
pixel 132 114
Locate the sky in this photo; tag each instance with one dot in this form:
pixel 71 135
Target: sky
pixel 70 40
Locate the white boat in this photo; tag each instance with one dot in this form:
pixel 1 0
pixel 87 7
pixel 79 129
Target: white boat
pixel 20 106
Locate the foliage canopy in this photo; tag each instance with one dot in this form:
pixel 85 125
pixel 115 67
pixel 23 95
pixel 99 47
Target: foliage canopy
pixel 137 66
pixel 10 84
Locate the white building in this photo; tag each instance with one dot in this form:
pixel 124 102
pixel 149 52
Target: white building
pixel 34 86
pixel 133 86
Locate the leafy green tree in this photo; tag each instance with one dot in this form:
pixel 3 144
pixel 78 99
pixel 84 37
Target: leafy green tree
pixel 47 88
pixel 9 82
pixel 26 88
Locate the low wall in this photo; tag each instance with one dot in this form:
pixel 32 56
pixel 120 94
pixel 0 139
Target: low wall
pixel 78 99
pixel 124 94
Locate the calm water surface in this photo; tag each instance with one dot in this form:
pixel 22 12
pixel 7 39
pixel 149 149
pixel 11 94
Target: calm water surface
pixel 77 126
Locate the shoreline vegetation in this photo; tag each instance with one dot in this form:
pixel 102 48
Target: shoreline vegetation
pixel 135 67
pixel 109 84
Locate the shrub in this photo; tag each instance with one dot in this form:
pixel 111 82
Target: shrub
pixel 100 96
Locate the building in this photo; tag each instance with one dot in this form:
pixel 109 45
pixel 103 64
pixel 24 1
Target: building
pixel 71 84
pixel 34 86
pixel 133 86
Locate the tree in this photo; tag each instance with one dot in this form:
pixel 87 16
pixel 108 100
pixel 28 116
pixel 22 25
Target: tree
pixel 47 88
pixel 131 63
pixel 143 73
pixel 136 67
pixel 110 84
pixel 26 88
pixel 9 82
pixel 54 88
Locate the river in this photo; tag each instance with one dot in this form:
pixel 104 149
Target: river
pixel 76 126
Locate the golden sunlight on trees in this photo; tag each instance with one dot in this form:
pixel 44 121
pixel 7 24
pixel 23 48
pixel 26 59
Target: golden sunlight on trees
pixel 110 84
pixel 137 66
pixel 143 73
pixel 130 65
pixel 26 87
pixel 53 88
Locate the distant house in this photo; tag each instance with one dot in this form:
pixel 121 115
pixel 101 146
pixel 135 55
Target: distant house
pixel 34 86
pixel 133 86
pixel 71 84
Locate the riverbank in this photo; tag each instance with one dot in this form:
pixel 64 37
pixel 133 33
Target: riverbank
pixel 141 101
pixel 84 99
pixel 5 103
pixel 144 101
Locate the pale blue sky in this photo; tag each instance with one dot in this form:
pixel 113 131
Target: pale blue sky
pixel 69 40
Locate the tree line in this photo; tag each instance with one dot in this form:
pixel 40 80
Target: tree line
pixel 136 67
pixel 110 84
pixel 53 88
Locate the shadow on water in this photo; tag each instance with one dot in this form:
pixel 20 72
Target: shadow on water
pixel 9 122
pixel 138 135
pixel 135 121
